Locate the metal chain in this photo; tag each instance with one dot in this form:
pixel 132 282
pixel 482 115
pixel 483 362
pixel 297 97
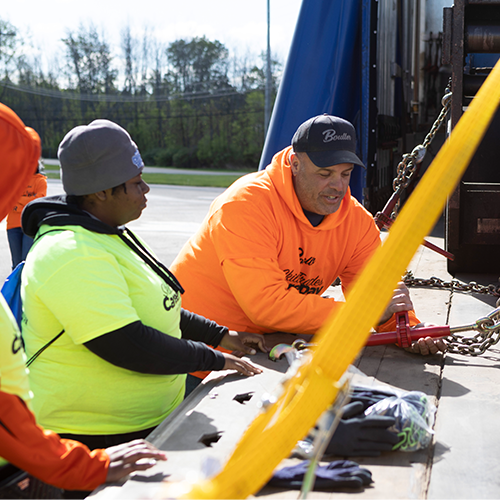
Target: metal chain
pixel 453 284
pixel 408 164
pixel 488 329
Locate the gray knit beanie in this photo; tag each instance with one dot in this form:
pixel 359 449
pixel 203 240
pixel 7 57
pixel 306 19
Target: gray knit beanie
pixel 96 157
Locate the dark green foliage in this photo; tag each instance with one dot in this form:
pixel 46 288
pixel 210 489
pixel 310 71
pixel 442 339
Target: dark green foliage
pixel 183 158
pixel 157 157
pixel 181 104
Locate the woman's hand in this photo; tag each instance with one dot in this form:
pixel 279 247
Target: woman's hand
pixel 241 343
pixel 240 365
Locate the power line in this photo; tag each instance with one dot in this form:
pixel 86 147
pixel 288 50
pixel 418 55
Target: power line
pixel 58 94
pixel 128 117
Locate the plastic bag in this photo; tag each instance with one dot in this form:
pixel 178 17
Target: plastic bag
pixel 414 415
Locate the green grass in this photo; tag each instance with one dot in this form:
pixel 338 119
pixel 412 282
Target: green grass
pixel 50 167
pixel 191 179
pixel 51 175
pixel 52 172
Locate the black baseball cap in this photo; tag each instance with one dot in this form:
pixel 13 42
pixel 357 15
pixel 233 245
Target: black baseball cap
pixel 328 140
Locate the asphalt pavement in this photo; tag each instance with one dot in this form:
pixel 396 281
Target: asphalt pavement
pixel 173 214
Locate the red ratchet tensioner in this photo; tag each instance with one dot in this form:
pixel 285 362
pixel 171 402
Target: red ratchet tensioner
pixel 404 336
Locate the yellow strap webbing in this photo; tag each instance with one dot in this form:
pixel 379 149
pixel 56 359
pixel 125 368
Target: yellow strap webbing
pixel 274 433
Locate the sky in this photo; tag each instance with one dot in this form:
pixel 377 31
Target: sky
pixel 241 25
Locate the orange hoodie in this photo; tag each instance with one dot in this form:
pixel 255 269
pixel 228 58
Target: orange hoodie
pixel 37 188
pixel 257 264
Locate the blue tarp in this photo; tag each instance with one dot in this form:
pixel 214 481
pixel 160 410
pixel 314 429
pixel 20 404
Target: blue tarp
pixel 322 75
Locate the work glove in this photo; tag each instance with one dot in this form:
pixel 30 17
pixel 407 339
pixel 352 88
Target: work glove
pixel 369 396
pixel 361 436
pixel 335 475
pixel 413 414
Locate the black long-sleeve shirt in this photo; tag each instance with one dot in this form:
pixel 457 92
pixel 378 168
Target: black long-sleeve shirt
pixel 143 349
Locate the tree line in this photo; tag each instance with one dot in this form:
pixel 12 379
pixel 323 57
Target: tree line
pixel 189 103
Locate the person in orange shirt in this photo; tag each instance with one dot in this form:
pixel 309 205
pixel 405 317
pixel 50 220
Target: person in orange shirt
pixel 19 242
pixel 35 462
pixel 275 240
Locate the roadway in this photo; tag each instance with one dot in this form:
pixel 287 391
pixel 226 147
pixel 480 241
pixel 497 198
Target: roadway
pixel 173 214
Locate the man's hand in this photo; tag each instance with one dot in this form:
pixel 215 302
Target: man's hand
pixel 400 302
pixel 130 457
pixel 240 365
pixel 273 339
pixel 242 343
pixel 426 345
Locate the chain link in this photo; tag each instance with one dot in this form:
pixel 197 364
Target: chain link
pixel 488 329
pixel 408 164
pixel 453 284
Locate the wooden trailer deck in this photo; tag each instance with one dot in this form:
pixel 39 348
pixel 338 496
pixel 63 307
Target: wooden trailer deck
pixel 462 462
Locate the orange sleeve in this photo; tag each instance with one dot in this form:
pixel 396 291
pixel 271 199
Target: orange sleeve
pixel 390 324
pixel 254 257
pixel 63 463
pixel 256 283
pixel 250 280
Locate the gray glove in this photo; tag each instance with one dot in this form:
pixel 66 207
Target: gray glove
pixel 361 436
pixel 330 477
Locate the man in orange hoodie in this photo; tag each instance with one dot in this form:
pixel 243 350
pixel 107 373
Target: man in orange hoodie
pixel 275 240
pixel 30 456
